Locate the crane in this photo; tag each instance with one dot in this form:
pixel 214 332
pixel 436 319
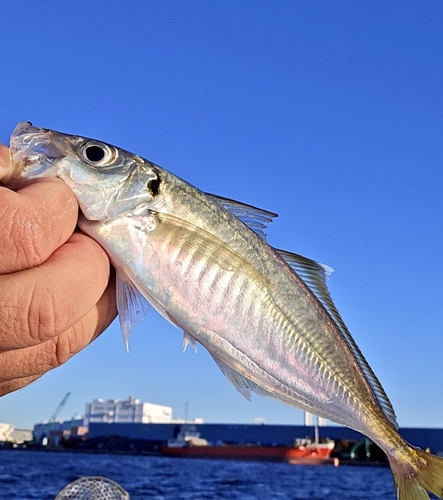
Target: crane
pixel 46 428
pixel 59 407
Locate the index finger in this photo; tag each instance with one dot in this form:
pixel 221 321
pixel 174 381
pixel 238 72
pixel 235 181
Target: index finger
pixel 34 222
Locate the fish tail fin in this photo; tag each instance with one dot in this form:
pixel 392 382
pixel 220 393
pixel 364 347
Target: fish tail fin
pixel 421 475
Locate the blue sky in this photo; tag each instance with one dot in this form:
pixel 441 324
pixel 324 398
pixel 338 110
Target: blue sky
pixel 328 113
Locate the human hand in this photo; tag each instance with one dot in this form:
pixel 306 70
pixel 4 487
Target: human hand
pixel 56 295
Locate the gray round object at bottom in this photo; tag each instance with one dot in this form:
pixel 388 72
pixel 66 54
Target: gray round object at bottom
pixel 93 488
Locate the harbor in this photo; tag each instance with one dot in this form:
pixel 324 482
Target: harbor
pixel 44 474
pixel 134 427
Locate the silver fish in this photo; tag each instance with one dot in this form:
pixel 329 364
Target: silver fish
pixel 202 261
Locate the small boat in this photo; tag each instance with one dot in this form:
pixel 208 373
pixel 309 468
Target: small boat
pixel 188 443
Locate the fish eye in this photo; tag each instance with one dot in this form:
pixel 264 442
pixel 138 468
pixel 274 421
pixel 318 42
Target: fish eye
pixel 97 154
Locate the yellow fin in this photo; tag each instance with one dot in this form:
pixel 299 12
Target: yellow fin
pixel 428 477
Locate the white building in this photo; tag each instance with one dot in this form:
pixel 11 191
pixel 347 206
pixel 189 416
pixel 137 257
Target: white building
pixel 22 436
pixel 6 431
pixel 311 420
pixel 129 411
pixel 8 434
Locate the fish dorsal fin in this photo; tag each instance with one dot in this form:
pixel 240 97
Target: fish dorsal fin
pixel 132 307
pixel 315 276
pixel 256 219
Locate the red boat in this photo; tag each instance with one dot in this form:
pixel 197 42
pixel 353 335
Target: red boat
pixel 192 446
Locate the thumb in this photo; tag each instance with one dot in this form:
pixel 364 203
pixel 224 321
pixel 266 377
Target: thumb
pixel 5 164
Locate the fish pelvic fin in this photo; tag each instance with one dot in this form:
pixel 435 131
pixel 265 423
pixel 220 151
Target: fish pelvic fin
pixel 189 339
pixel 132 307
pixel 412 482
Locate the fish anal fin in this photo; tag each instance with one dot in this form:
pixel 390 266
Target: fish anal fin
pixel 241 383
pixel 238 381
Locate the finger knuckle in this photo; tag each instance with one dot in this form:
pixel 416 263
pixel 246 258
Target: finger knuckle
pixel 65 346
pixel 29 314
pixel 45 321
pixel 23 239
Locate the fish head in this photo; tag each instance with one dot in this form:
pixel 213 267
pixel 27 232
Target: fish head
pixel 107 181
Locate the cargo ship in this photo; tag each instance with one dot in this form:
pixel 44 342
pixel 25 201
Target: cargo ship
pixel 189 444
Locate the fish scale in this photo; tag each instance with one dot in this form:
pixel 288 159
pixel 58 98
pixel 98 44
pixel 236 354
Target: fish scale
pixel 202 261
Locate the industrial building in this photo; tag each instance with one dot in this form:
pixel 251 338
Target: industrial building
pixel 103 412
pixel 11 436
pixel 128 411
pixel 132 421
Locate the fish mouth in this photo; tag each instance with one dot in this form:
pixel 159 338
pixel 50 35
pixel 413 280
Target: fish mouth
pixel 33 151
pixel 34 140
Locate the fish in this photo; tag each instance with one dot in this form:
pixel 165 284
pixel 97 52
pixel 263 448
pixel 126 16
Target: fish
pixel 203 262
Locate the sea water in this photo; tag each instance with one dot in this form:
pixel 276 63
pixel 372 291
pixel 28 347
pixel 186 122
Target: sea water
pixel 41 475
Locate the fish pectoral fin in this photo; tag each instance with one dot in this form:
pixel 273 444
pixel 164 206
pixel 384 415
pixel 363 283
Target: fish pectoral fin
pixel 195 240
pixel 189 339
pixel 256 219
pixel 132 307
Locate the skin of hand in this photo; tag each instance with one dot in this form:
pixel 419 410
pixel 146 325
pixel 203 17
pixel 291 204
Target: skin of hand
pixel 57 292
